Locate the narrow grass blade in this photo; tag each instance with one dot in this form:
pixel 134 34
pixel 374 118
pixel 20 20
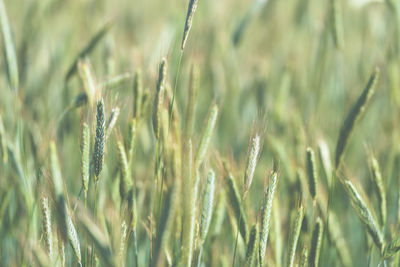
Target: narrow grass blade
pixel 87 49
pixel 137 94
pixel 236 203
pixel 3 142
pixel 9 49
pixel 248 17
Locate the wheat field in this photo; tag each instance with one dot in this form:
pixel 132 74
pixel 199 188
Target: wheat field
pixel 200 133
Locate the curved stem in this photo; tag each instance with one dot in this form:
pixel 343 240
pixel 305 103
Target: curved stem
pixel 174 93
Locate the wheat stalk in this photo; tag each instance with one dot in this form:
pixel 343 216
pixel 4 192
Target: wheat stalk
pixel 312 172
pixel 125 181
pixel 392 248
pixel 206 135
pixel 87 78
pixel 365 214
pixel 99 143
pixel 124 230
pixel 325 158
pixel 379 188
pixel 266 215
pixel 85 157
pixel 208 201
pixel 251 251
pixel 316 243
pixel 47 234
pixel 354 115
pixel 61 248
pixel 294 235
pixel 159 98
pixel 131 140
pixel 112 120
pixel 255 147
pixel 73 236
pixel 189 202
pixel 189 20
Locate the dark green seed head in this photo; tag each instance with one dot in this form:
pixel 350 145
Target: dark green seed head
pixel 312 172
pixel 99 144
